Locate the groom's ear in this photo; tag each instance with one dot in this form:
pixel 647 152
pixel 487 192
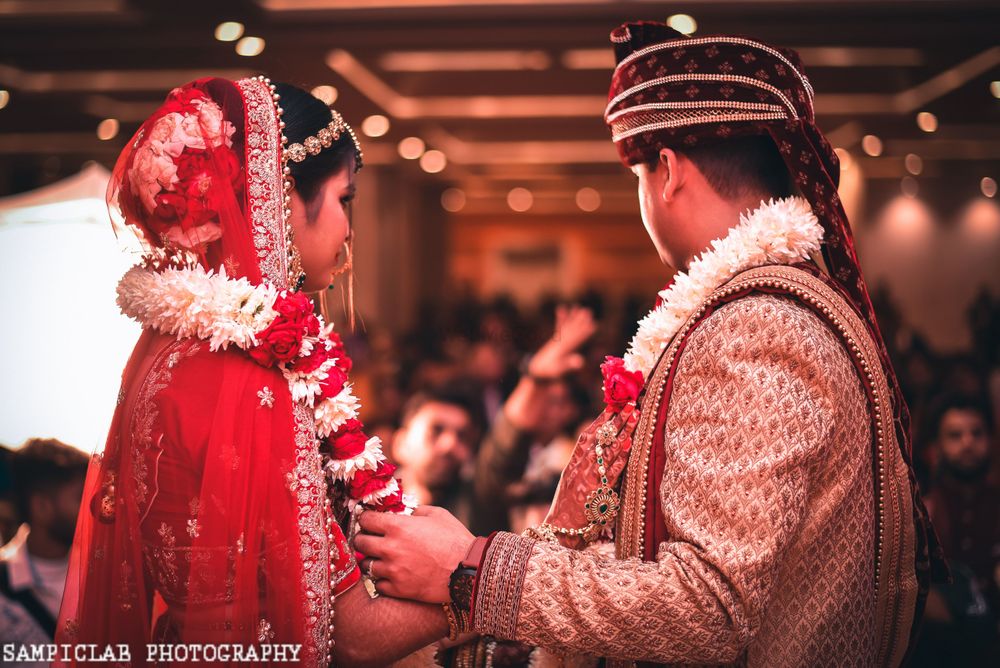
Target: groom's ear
pixel 672 172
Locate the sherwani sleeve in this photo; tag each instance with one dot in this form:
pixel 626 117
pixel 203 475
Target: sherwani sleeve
pixel 751 412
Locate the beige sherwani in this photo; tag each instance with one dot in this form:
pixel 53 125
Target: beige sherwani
pixel 769 496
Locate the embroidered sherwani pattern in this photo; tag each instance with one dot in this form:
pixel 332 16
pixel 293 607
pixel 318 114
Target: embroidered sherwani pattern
pixel 768 473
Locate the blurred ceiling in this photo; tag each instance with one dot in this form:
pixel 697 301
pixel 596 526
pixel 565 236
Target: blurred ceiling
pixel 510 91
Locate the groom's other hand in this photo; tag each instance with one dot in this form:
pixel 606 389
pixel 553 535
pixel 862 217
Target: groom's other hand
pixel 412 556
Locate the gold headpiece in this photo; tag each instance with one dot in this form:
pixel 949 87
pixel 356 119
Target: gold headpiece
pixel 324 139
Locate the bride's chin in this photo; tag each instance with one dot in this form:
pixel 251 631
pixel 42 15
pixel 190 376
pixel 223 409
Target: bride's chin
pixel 310 285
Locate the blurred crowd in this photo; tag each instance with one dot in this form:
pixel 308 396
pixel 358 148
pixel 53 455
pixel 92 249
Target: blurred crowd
pixel 480 406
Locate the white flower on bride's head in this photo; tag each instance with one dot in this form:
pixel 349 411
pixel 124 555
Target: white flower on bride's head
pixel 152 171
pixel 214 129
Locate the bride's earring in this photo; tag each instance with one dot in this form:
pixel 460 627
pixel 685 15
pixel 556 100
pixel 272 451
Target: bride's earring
pixel 348 268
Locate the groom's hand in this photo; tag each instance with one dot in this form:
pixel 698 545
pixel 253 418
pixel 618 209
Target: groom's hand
pixel 412 556
pixel 582 474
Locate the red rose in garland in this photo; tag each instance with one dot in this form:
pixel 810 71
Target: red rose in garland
pixel 347 444
pixel 297 307
pixel 334 382
pixel 368 482
pixel 312 361
pixel 392 503
pixel 280 342
pixel 621 386
pixel 343 361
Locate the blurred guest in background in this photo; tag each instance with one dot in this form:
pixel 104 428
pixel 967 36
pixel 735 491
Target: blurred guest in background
pixel 8 515
pixel 435 444
pixel 964 503
pixel 532 437
pixel 48 485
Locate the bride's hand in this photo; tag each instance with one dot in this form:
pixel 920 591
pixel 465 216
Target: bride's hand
pixel 582 475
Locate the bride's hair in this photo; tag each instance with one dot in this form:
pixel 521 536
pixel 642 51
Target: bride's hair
pixel 305 115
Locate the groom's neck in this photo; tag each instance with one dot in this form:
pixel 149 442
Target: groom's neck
pixel 709 219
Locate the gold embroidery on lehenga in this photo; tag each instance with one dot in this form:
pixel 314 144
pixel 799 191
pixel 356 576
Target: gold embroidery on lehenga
pixel 144 416
pixel 167 563
pixel 264 632
pixel 308 483
pixel 264 181
pixel 126 590
pixel 193 526
pixel 266 397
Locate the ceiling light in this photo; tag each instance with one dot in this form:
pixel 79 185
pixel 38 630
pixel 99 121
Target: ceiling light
pixel 4 98
pixel 988 186
pixel 375 126
pixel 871 145
pixel 328 94
pixel 433 161
pixel 927 121
pixel 411 148
pixel 453 200
pixel 588 199
pixel 846 161
pixel 107 129
pixel 520 199
pixel 683 23
pixel 914 163
pixel 250 46
pixel 230 31
pixel 909 186
pixel 995 88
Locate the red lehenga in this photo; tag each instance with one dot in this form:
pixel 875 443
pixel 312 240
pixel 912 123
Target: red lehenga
pixel 206 518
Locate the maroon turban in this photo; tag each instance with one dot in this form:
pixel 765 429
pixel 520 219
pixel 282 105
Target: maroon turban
pixel 673 91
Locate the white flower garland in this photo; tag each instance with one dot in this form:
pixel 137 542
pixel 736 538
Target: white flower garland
pixel 778 232
pixel 225 311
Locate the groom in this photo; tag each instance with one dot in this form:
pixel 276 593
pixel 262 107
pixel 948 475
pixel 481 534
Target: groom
pixel 747 495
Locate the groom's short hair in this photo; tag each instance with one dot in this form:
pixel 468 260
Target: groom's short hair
pixel 742 166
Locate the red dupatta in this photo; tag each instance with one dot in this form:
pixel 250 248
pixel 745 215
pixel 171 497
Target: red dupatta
pixel 206 517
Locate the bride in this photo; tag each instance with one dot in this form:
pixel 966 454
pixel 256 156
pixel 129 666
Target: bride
pixel 211 516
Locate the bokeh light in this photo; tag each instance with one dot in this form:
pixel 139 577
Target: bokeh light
pixel 375 126
pixel 433 161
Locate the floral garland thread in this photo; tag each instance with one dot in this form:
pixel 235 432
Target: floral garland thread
pixel 277 329
pixel 781 231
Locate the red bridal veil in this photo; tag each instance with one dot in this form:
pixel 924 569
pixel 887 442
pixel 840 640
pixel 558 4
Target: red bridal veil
pixel 205 519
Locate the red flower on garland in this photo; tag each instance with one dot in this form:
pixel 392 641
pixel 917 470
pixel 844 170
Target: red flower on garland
pixel 348 444
pixel 392 503
pixel 282 340
pixel 293 306
pixel 338 351
pixel 368 482
pixel 312 361
pixel 334 383
pixel 621 386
